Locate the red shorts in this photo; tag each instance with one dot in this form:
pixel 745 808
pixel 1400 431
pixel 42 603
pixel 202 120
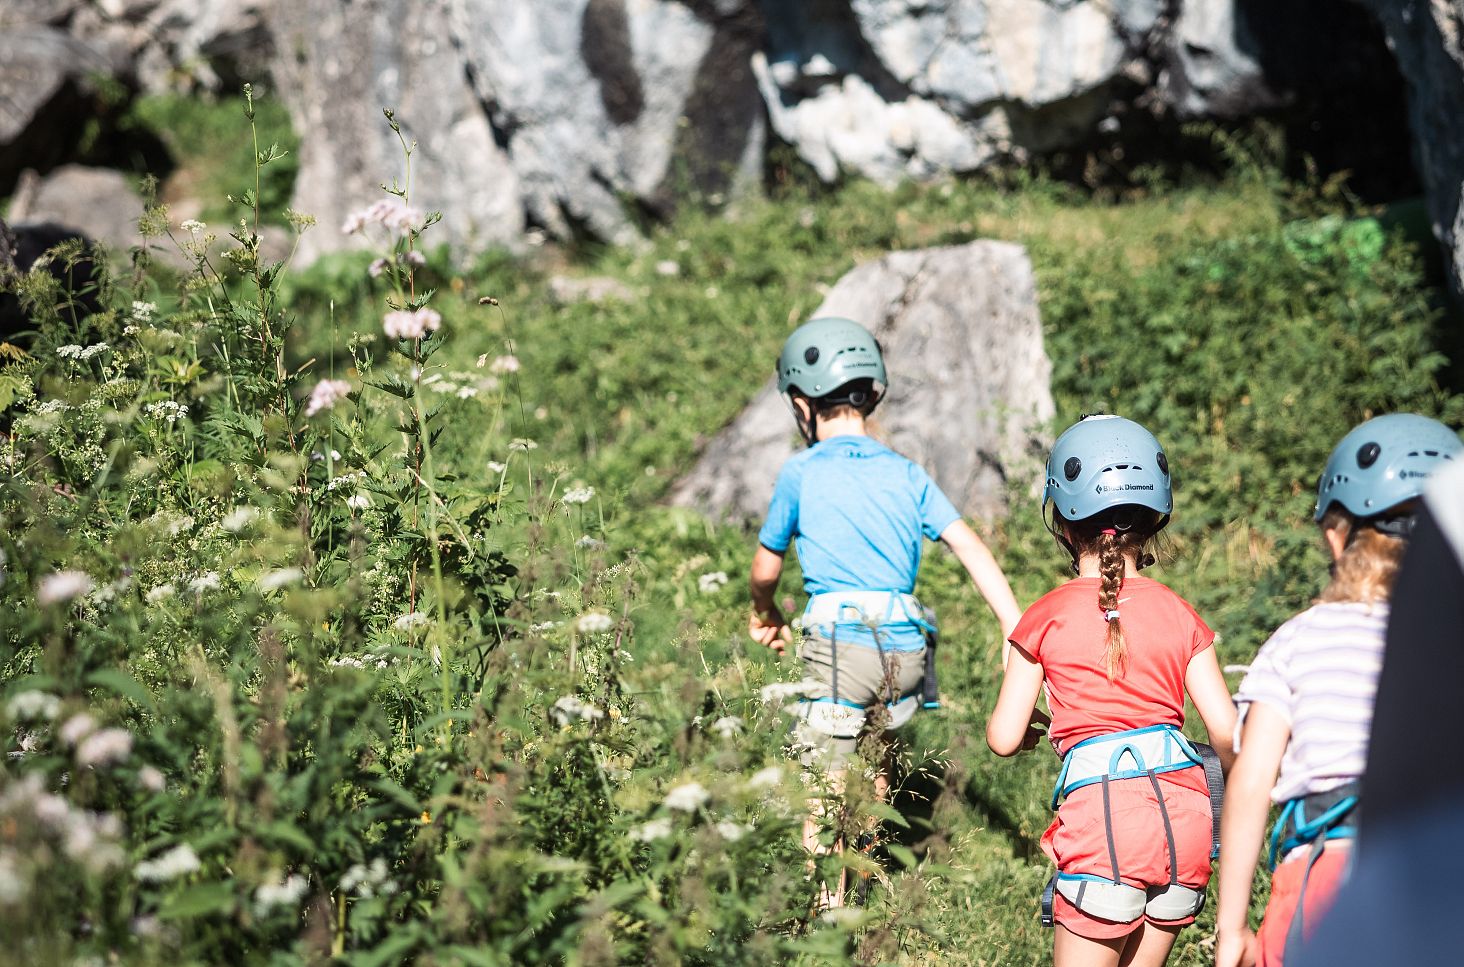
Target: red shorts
pixel 1077 841
pixel 1326 876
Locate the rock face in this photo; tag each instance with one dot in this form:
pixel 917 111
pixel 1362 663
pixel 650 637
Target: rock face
pixel 1427 38
pixel 969 395
pixel 97 201
pixel 350 62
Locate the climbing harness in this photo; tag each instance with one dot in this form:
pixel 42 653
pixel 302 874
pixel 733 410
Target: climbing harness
pixel 868 611
pixel 1314 819
pixel 1145 753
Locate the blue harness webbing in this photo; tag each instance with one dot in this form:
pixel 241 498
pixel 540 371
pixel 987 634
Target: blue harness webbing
pixel 1335 817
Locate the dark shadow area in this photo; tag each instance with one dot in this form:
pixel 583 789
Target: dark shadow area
pixel 995 816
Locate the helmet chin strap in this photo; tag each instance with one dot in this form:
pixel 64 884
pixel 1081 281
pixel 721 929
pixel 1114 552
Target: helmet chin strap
pixel 807 427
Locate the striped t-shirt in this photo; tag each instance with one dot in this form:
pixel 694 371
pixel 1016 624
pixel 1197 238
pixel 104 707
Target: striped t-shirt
pixel 1320 671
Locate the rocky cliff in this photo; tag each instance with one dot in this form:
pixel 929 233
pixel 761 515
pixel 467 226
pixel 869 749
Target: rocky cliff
pixel 588 117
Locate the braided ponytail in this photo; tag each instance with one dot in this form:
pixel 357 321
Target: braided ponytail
pixel 1111 565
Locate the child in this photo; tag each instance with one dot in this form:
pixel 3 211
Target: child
pixel 859 512
pixel 1116 654
pixel 1308 697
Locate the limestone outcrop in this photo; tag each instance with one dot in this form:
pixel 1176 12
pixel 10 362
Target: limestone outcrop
pixel 969 395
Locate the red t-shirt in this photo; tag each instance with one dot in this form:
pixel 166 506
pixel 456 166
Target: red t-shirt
pixel 1065 632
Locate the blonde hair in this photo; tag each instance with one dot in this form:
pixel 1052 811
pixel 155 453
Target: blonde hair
pixel 1113 547
pixel 1367 568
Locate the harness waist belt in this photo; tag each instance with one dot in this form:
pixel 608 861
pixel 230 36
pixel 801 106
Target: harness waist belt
pixel 1134 754
pixel 1317 816
pixel 869 608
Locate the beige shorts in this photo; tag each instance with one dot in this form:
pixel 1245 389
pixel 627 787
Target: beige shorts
pixel 862 675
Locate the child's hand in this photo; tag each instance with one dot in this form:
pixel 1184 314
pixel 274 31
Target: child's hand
pixel 770 628
pixel 1235 948
pixel 1036 729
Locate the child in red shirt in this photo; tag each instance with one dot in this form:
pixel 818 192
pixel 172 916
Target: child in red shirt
pixel 1115 654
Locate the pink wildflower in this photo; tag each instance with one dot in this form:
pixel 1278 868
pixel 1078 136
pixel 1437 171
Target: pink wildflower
pixel 62 586
pixel 505 364
pixel 327 393
pixel 411 323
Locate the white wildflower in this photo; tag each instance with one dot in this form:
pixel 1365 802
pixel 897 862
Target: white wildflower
pixel 51 407
pixel 151 779
pixel 358 501
pixel 142 311
pixel 326 394
pixel 668 268
pixel 523 443
pixel 652 831
pixel 176 862
pixel 12 887
pixel 765 778
pixel 410 621
pixel 712 582
pixel 589 543
pixel 274 580
pixel 192 226
pixel 571 709
pixel 368 881
pixel 69 352
pixel 727 726
pixel 169 410
pixel 579 495
pixel 30 705
pixel 467 392
pixel 239 518
pixel 76 728
pixel 495 467
pixel 782 691
pixel 347 480
pixel 411 323
pixel 62 586
pixel 731 831
pixel 687 797
pixel 179 525
pixel 347 661
pixel 504 364
pixel 594 622
pixel 104 747
pixel 287 893
pixel 207 581
pixel 543 626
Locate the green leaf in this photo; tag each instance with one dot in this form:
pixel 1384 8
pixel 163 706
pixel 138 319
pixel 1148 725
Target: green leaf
pixel 888 813
pixel 116 680
pixel 287 833
pixel 904 854
pixel 198 901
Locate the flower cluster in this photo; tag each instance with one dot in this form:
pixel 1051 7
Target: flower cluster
pixel 286 893
pixel 712 582
pixel 392 213
pixel 368 881
pixel 579 495
pixel 178 861
pixel 411 323
pixel 326 394
pixel 166 410
pixel 80 352
pixel 62 586
pixel 571 709
pixel 594 623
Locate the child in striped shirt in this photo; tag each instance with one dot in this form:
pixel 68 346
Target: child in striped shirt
pixel 1307 701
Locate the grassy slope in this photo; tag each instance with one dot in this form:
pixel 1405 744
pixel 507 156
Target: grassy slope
pixel 1248 339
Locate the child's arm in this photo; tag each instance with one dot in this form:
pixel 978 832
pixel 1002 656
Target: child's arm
pixel 767 626
pixel 1010 729
pixel 973 553
pixel 1207 689
pixel 1243 829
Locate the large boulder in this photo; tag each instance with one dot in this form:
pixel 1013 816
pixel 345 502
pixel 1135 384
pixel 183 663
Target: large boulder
pixel 349 62
pixel 98 203
pixel 605 106
pixel 969 395
pixel 1428 41
pixel 47 84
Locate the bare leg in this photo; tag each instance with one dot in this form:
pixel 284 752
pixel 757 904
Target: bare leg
pixel 1071 950
pixel 1149 945
pixel 817 808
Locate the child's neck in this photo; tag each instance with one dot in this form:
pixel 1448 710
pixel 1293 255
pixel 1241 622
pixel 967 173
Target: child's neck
pixel 1088 567
pixel 830 427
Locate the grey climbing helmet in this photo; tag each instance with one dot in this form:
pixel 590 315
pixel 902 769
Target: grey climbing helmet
pixel 824 354
pixel 1385 462
pixel 1103 462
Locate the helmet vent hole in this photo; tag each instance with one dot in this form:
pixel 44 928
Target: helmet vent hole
pixel 1367 455
pixel 1163 463
pixel 1072 468
pixel 810 355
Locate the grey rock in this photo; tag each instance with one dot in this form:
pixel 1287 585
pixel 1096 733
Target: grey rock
pixel 1428 41
pixel 969 395
pixel 14 13
pixel 566 289
pixel 96 202
pixel 602 101
pixel 350 62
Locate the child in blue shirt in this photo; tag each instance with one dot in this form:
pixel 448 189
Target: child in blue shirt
pixel 858 512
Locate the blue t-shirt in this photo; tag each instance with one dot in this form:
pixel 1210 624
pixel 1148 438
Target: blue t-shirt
pixel 859 511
